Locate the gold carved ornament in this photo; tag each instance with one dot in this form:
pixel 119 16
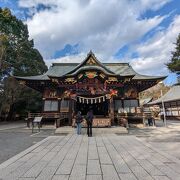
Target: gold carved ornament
pixel 102 75
pixel 112 79
pixel 70 80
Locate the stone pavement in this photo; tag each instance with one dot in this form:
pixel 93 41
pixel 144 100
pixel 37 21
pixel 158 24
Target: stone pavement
pixel 103 157
pixel 166 139
pixel 11 125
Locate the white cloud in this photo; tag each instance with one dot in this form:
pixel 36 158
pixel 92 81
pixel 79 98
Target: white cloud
pixel 153 4
pixel 154 53
pixel 67 59
pixel 103 26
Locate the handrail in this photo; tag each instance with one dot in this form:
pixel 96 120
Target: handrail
pixel 44 115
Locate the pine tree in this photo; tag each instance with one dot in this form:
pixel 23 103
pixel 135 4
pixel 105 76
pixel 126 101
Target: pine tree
pixel 174 64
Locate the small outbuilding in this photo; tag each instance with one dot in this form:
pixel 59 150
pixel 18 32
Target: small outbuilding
pixel 171 102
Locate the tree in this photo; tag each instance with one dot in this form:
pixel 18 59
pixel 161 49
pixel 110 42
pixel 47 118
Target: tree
pixel 18 57
pixel 19 51
pixel 174 64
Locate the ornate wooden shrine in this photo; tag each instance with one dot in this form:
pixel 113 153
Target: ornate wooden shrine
pixel 106 88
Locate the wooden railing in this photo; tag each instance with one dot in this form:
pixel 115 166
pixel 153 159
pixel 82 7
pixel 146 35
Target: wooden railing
pixel 58 117
pixel 44 115
pixel 127 118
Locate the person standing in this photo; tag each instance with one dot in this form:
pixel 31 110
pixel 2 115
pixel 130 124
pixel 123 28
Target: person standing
pixel 89 119
pixel 79 120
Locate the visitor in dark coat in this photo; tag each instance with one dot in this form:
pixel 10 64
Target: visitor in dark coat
pixel 79 120
pixel 89 119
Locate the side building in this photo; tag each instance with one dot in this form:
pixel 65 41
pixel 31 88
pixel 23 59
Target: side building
pixel 171 101
pixel 106 88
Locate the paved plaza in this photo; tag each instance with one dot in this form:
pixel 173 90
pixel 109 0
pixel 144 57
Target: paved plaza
pixel 15 137
pixel 107 157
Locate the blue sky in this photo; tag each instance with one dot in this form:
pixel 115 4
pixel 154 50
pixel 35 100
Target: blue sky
pixel 141 32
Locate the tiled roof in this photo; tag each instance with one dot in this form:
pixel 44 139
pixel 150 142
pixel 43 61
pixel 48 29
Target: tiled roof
pixel 67 69
pixel 172 95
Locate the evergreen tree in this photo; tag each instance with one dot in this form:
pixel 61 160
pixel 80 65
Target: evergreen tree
pixel 18 51
pixel 18 57
pixel 174 64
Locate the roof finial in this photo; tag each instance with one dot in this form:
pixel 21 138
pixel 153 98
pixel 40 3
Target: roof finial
pixel 90 53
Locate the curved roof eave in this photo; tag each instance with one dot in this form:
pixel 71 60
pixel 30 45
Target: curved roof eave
pixel 34 78
pixel 146 77
pixel 84 61
pixel 86 68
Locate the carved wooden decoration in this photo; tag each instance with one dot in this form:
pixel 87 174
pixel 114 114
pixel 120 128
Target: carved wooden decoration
pixel 55 80
pixel 127 79
pixel 91 61
pixel 80 76
pixel 70 80
pixel 22 82
pixel 131 93
pixel 102 75
pixel 52 94
pixel 91 75
pixel 112 79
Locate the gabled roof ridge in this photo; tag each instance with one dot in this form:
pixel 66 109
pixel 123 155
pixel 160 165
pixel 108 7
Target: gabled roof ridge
pixel 61 64
pixel 114 63
pixel 86 59
pixel 104 63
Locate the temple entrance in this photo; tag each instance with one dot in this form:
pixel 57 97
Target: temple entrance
pixel 99 109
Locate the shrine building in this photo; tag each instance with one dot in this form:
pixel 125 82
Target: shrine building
pixel 108 89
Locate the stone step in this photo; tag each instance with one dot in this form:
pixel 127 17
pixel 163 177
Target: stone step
pixel 110 130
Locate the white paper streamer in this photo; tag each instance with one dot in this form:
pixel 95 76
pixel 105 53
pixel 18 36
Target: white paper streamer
pixel 91 100
pixel 103 98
